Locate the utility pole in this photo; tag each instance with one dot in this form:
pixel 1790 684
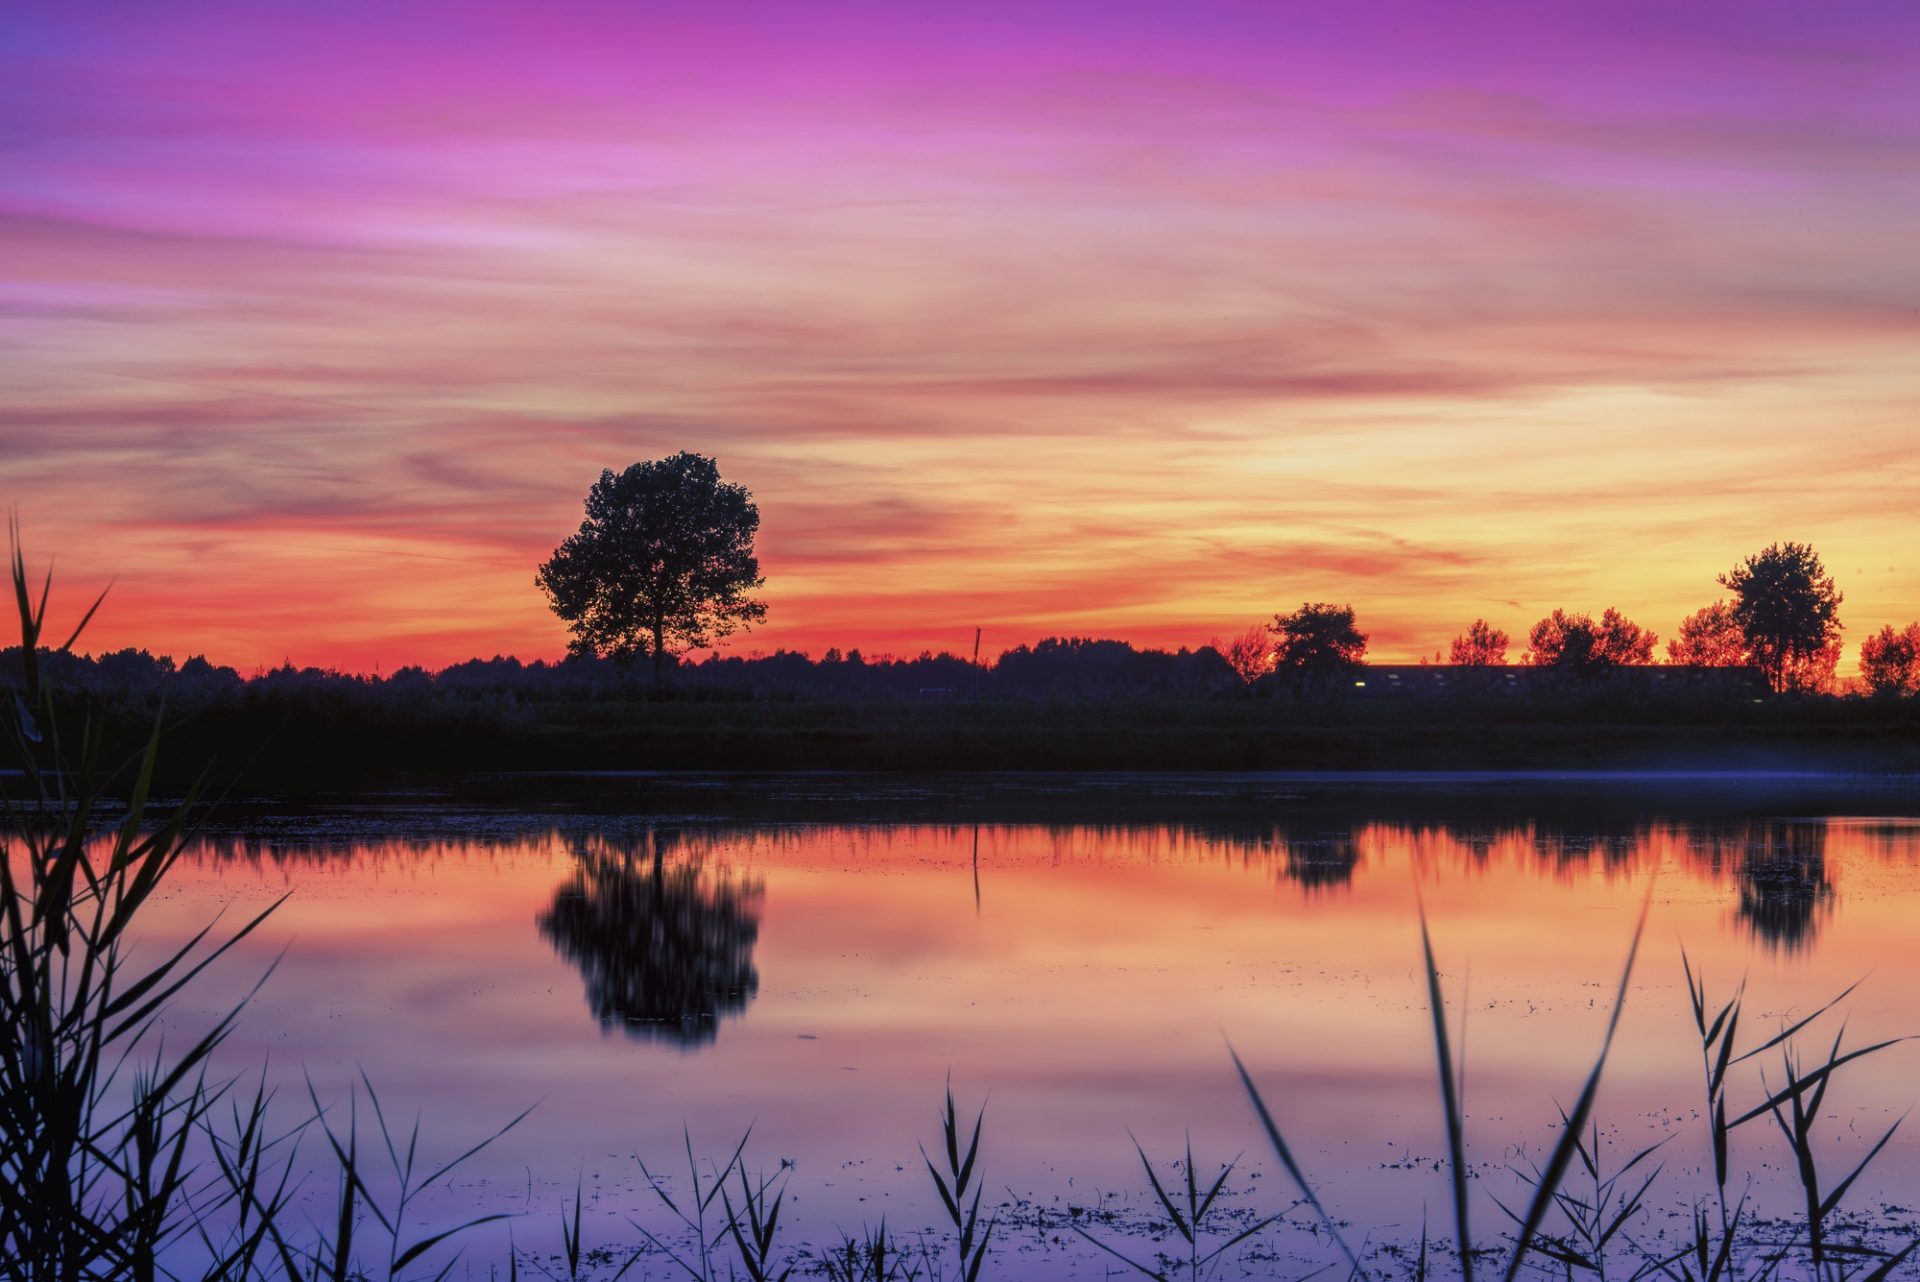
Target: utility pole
pixel 976 663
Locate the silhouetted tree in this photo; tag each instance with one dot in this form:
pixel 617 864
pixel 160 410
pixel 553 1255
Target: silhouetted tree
pixel 1788 610
pixel 1250 654
pixel 663 562
pixel 1575 641
pixel 1481 646
pixel 1710 638
pixel 1085 667
pixel 1319 637
pixel 204 682
pixel 1890 661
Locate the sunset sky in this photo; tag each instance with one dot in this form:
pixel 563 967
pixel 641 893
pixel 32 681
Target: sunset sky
pixel 1136 320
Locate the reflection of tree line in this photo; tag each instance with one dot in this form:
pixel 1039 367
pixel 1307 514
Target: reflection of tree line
pixel 1779 867
pixel 1784 891
pixel 664 942
pixel 625 873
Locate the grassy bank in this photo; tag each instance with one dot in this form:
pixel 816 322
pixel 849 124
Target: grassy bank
pixel 275 746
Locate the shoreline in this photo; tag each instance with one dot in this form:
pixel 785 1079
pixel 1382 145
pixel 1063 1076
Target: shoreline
pixel 302 750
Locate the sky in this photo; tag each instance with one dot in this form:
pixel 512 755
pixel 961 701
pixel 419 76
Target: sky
pixel 1118 319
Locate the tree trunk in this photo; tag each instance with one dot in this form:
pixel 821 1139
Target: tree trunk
pixel 659 659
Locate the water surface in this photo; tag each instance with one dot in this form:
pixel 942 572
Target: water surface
pixel 817 957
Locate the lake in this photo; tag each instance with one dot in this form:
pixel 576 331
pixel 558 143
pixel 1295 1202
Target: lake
pixel 816 957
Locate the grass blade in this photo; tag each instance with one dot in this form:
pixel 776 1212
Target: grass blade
pixel 1285 1153
pixel 1556 1168
pixel 1450 1100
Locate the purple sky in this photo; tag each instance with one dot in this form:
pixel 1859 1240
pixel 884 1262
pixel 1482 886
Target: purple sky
pixel 1140 320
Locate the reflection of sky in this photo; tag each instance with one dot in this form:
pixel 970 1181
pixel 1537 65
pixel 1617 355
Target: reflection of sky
pixel 1088 994
pixel 1141 319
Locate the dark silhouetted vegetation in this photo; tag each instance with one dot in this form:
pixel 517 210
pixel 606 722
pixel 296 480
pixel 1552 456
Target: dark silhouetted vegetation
pixel 1710 638
pixel 662 563
pixel 1084 668
pixel 1250 654
pixel 1597 1230
pixel 1788 610
pixel 1481 645
pixel 1189 1212
pixel 124 1154
pixel 1319 639
pixel 1071 705
pixel 1577 643
pixel 1890 662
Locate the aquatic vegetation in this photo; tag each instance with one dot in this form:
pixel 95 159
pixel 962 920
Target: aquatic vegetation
pixel 1597 1216
pixel 102 1130
pixel 961 1175
pixel 753 1224
pixel 122 1156
pixel 1188 1216
pixel 874 1256
pixel 699 1198
pixel 1576 1230
pixel 1801 1099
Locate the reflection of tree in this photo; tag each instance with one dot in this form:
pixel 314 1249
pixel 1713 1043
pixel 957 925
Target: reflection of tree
pixel 1322 863
pixel 665 948
pixel 1784 889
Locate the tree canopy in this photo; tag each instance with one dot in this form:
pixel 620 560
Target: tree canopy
pixel 1250 654
pixel 1319 637
pixel 1788 610
pixel 1710 638
pixel 1481 646
pixel 1890 661
pixel 1563 640
pixel 663 562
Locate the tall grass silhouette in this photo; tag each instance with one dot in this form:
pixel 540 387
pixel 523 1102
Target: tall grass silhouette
pixel 122 1156
pixel 1187 1212
pixel 1573 1231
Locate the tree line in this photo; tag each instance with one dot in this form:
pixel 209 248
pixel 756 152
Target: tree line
pixel 1782 620
pixel 664 563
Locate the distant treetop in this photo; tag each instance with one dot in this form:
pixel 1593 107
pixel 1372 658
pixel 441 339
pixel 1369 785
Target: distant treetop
pixel 1481 646
pixel 1788 610
pixel 1710 638
pixel 1319 637
pixel 1890 661
pixel 1575 641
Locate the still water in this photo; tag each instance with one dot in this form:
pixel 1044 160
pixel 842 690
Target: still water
pixel 817 957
